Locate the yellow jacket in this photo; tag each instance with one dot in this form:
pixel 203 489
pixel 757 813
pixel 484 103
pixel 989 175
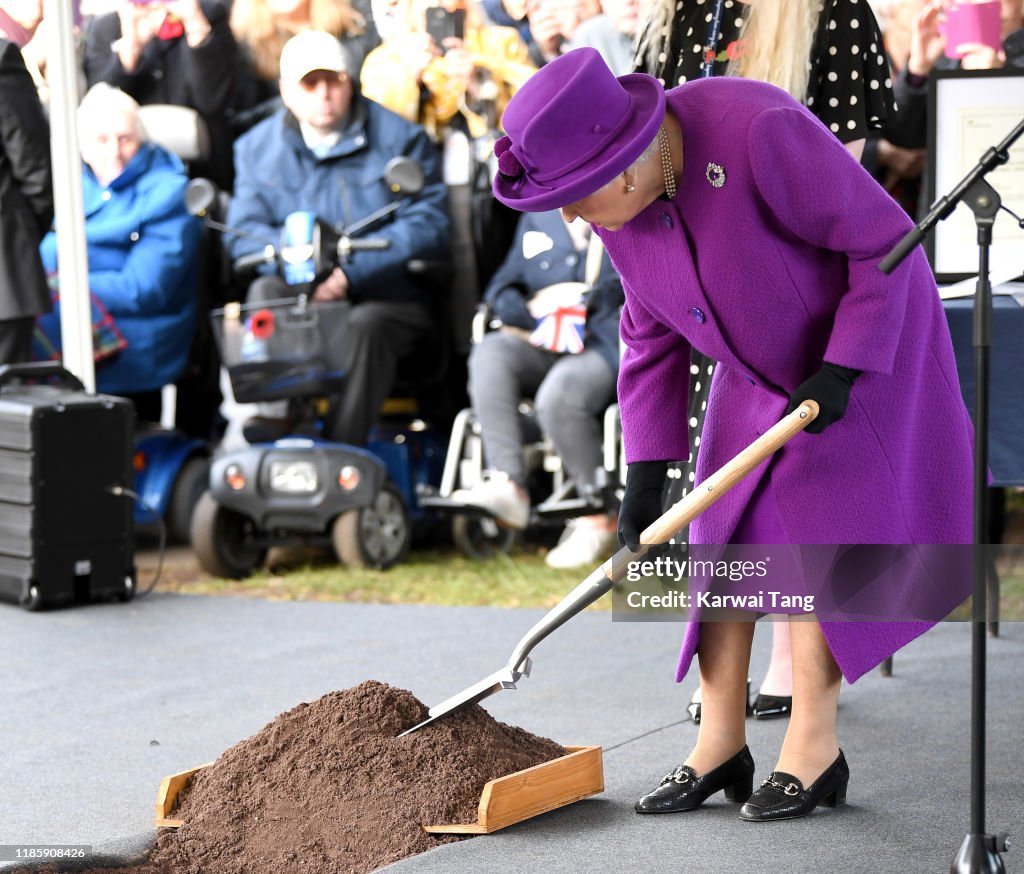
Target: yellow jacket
pixel 387 79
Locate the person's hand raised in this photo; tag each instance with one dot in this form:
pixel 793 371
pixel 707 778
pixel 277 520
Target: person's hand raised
pixel 417 50
pixel 140 23
pixel 546 28
pixel 458 62
pixel 927 41
pixel 197 26
pixel 981 57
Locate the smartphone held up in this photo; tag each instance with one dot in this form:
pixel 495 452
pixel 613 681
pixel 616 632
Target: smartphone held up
pixel 445 24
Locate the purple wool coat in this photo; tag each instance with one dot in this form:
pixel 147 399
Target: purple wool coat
pixel 772 273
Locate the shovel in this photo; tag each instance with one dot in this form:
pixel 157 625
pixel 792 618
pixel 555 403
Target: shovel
pixel 612 571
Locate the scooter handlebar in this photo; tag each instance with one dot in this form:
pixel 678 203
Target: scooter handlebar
pixel 347 244
pixel 255 259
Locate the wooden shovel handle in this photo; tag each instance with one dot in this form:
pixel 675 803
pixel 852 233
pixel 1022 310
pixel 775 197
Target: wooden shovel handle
pixel 600 581
pixel 683 512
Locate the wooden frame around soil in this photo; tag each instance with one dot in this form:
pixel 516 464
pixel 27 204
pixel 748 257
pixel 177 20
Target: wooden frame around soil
pixel 503 802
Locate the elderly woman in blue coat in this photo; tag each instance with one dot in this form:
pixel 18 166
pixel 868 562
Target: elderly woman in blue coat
pixel 142 247
pixel 741 227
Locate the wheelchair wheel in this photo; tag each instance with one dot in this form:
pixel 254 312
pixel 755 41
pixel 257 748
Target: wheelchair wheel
pixel 376 536
pixel 189 486
pixel 222 540
pixel 481 537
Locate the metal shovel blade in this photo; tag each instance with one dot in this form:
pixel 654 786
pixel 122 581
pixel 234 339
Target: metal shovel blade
pixel 506 678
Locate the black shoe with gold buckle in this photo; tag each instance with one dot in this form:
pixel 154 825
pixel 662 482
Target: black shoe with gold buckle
pixel 684 790
pixel 782 796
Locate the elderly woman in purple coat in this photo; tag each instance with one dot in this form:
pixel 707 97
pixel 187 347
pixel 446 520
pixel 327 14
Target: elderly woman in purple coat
pixel 740 225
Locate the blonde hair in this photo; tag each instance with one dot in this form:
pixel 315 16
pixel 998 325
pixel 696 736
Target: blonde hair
pixel 253 24
pixel 655 35
pixel 778 37
pixel 99 102
pixel 777 40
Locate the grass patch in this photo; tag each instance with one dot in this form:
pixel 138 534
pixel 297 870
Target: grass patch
pixel 425 577
pixel 445 577
pixel 1010 566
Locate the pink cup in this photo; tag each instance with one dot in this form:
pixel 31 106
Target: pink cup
pixel 972 23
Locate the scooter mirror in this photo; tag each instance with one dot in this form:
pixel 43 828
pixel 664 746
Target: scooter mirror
pixel 200 195
pixel 403 176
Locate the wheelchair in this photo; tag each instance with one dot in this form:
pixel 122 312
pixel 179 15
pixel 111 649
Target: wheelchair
pixel 554 496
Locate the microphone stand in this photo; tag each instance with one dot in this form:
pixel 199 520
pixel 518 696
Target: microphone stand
pixel 980 852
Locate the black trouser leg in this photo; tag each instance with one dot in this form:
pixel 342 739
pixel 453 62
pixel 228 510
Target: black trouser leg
pixel 379 334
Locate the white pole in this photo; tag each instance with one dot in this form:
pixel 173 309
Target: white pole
pixel 62 73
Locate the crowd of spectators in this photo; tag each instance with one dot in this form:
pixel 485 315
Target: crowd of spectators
pixel 424 78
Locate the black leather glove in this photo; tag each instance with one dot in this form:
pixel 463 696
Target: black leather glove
pixel 641 502
pixel 510 308
pixel 830 387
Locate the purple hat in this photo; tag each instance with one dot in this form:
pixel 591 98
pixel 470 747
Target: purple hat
pixel 572 128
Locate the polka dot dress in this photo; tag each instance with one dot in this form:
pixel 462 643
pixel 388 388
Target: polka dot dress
pixel 848 89
pixel 681 56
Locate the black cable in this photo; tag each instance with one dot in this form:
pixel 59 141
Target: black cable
pixel 121 490
pixel 1017 218
pixel 646 734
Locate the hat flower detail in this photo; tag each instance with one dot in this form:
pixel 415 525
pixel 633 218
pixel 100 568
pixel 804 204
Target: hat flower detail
pixel 508 164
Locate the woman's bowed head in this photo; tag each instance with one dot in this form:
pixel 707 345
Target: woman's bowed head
pixel 581 140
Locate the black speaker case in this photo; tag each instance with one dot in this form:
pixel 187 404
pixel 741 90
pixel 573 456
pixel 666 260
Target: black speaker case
pixel 65 537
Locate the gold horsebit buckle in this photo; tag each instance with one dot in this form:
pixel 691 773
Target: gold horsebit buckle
pixel 677 776
pixel 787 788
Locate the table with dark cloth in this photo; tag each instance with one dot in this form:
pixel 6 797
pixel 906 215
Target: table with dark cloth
pixel 1006 385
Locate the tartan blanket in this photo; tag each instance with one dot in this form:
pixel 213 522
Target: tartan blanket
pixel 107 339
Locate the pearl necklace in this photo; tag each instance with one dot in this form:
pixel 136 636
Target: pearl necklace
pixel 666 162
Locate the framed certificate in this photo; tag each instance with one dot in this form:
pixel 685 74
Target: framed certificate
pixel 970 111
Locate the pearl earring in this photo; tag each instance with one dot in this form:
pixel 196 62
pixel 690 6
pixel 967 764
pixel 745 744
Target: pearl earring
pixel 630 188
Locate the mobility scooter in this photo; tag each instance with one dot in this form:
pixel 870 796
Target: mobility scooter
pixel 362 501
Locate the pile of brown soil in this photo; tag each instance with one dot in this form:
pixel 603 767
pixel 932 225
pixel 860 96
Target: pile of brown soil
pixel 329 787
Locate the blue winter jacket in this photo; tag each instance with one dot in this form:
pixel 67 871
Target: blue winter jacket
pixel 143 248
pixel 276 174
pixel 543 255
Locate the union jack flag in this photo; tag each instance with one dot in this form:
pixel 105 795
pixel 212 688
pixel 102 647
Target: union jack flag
pixel 561 330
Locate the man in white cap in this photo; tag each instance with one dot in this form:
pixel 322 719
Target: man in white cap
pixel 325 152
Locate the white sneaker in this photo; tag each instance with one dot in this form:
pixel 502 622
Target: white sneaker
pixel 582 544
pixel 500 496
